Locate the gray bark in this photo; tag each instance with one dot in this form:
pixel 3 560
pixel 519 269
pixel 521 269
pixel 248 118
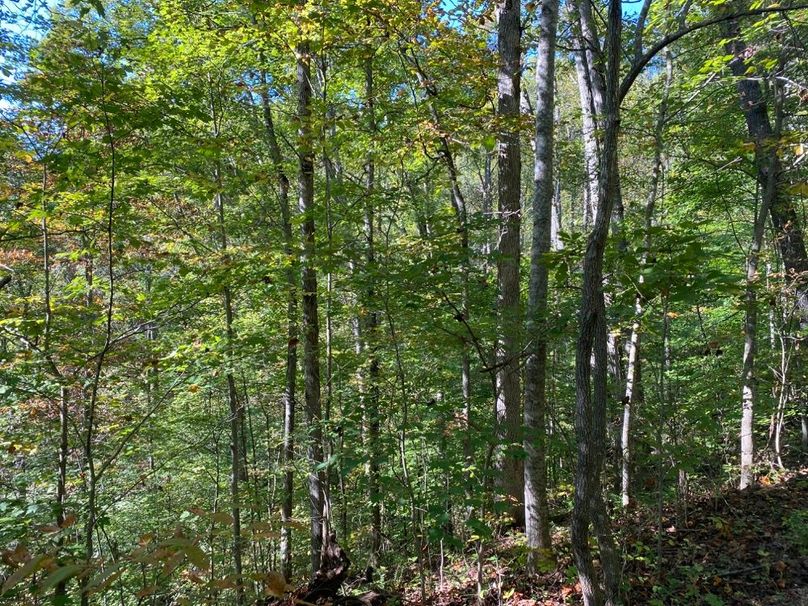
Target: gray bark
pixel 633 393
pixel 508 417
pixel 291 333
pixel 311 324
pixel 588 130
pixel 234 408
pixel 372 325
pixel 591 391
pixel 767 148
pixel 537 526
pixel 784 219
pixel 790 239
pixel 592 91
pixel 555 219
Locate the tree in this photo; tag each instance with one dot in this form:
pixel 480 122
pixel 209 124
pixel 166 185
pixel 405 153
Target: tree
pixel 509 165
pixel 537 523
pixel 311 322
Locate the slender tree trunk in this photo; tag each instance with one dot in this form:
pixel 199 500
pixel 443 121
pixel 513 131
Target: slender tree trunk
pixel 587 57
pixel 591 392
pixel 372 324
pixel 236 429
pixel 333 174
pixel 633 393
pixel 88 451
pixel 590 142
pixel 537 523
pixel 555 220
pixel 804 432
pixel 590 63
pixel 311 324
pixel 92 401
pixel 235 454
pixel 60 590
pixel 508 417
pixel 768 148
pixel 289 392
pixel 783 214
pixel 461 217
pixel 792 247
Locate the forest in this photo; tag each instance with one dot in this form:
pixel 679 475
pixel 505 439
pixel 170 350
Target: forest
pixel 406 302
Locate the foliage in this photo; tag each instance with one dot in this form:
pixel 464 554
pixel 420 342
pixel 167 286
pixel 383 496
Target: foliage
pixel 143 267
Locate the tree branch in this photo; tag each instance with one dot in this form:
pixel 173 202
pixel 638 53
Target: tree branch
pixel 639 65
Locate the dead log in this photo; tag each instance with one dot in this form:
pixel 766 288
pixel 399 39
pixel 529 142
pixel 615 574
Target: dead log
pixel 325 586
pixel 329 578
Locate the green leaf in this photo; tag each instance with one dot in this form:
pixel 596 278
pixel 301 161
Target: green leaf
pixel 97 5
pixel 27 569
pixel 104 577
pixel 196 556
pixel 59 575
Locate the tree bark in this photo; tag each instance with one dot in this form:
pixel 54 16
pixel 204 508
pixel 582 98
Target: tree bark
pixel 60 591
pixel 91 402
pixel 371 325
pixel 292 332
pixel 591 392
pixel 537 524
pixel 784 218
pixel 311 325
pixel 790 239
pixel 592 91
pixel 236 473
pixel 508 417
pixel 633 393
pixel 588 129
pixel 768 149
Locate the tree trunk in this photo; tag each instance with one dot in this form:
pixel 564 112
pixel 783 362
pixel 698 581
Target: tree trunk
pixel 508 417
pixel 311 325
pixel 784 218
pixel 633 393
pixel 60 591
pixel 767 148
pixel 592 91
pixel 591 392
pixel 783 214
pixel 555 220
pixel 537 524
pixel 91 402
pixel 291 332
pixel 372 324
pixel 590 143
pixel 236 470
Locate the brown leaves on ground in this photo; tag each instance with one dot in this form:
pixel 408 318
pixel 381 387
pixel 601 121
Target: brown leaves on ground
pixel 740 547
pixel 734 549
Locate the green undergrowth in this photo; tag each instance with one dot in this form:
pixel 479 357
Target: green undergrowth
pixel 736 548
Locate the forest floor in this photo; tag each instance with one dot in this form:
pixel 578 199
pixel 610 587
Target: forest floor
pixel 747 549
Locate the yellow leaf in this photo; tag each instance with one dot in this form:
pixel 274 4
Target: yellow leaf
pixel 276 585
pixel 798 189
